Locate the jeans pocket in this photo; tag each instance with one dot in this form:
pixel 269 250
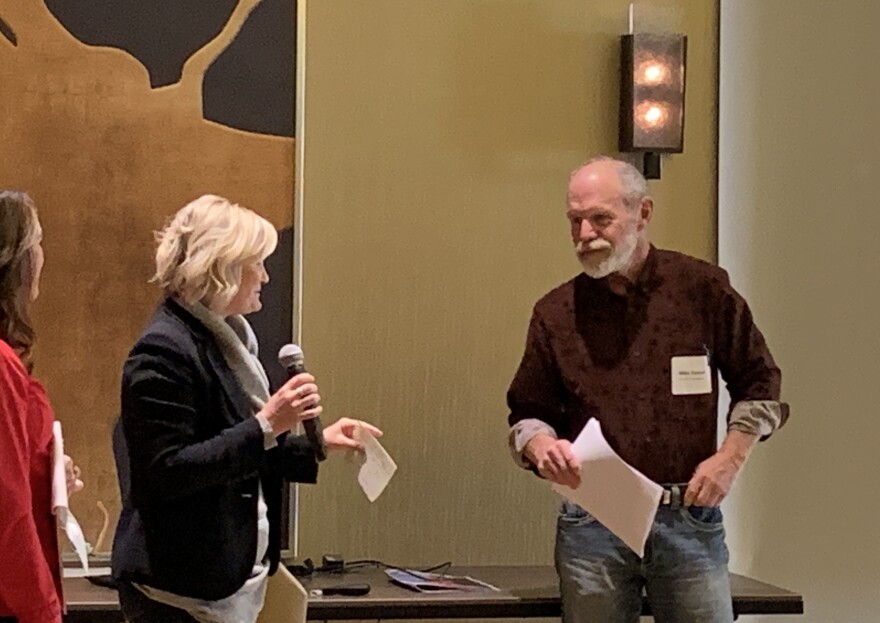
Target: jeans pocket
pixel 572 515
pixel 704 518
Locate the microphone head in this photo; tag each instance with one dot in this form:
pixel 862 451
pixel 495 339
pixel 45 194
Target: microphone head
pixel 291 356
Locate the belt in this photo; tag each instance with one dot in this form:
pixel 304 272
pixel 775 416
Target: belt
pixel 673 495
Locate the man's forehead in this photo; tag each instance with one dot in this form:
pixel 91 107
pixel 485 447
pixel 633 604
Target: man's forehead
pixel 593 199
pixel 597 180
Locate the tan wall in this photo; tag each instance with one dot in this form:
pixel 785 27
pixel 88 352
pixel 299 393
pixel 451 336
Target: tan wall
pixel 439 135
pixel 798 227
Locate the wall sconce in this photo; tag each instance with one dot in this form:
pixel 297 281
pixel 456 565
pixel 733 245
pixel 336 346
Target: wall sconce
pixel 652 69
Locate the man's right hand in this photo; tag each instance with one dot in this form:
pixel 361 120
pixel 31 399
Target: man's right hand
pixel 554 460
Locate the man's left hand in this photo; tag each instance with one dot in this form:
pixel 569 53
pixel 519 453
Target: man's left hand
pixel 714 477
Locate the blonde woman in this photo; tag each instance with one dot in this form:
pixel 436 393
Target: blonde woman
pixel 30 576
pixel 208 443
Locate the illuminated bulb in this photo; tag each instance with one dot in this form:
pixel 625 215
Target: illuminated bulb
pixel 651 115
pixel 652 73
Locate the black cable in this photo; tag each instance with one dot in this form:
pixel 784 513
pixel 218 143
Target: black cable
pixel 378 563
pixel 308 568
pixel 445 566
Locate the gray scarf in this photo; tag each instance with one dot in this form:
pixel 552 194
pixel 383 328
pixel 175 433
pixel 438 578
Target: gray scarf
pixel 238 343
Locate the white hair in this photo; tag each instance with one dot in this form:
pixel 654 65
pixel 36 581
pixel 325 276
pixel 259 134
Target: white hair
pixel 633 183
pixel 202 250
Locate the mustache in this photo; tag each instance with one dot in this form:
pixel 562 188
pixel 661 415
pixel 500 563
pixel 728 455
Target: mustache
pixel 594 245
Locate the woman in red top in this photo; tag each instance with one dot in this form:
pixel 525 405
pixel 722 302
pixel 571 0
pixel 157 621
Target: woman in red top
pixel 30 577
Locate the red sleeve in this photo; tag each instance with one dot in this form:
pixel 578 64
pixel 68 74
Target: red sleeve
pixel 27 588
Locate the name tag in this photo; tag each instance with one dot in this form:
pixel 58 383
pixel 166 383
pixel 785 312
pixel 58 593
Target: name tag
pixel 691 375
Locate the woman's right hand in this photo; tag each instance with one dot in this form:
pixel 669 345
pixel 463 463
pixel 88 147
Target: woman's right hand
pixel 297 400
pixel 72 474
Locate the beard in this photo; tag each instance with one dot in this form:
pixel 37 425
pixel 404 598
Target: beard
pixel 600 258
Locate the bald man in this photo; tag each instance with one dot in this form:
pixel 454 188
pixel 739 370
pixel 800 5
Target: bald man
pixel 606 345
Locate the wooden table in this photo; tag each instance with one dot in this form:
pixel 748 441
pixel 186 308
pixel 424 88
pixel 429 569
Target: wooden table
pixel 526 592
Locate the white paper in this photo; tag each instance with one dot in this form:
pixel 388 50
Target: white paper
pixel 286 599
pixel 623 499
pixel 66 521
pixel 378 467
pixel 91 572
pixel 691 375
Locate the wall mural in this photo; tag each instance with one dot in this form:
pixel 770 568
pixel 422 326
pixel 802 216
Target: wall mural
pixel 114 114
pixel 7 32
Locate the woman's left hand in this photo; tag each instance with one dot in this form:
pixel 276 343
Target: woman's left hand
pixel 74 484
pixel 340 434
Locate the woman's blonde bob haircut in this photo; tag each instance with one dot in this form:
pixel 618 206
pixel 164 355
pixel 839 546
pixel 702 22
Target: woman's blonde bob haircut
pixel 204 247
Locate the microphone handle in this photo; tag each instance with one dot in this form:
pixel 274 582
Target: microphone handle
pixel 315 434
pixel 313 428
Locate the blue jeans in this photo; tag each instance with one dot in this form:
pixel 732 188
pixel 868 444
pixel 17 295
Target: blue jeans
pixel 684 571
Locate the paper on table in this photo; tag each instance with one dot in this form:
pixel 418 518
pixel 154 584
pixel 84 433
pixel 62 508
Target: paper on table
pixel 623 499
pixel 65 518
pixel 91 572
pixel 286 599
pixel 378 467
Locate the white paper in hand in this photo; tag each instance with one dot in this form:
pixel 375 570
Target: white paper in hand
pixel 377 468
pixel 623 499
pixel 66 521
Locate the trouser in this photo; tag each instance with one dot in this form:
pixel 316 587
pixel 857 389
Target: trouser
pixel 684 571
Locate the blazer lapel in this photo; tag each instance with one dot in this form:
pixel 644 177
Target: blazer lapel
pixel 239 405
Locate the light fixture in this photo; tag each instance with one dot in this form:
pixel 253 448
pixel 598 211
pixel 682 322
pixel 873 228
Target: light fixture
pixel 652 71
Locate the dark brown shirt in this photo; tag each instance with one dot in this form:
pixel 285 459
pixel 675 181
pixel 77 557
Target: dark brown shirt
pixel 593 353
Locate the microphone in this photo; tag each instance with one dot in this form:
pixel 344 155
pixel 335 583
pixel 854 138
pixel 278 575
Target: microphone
pixel 291 358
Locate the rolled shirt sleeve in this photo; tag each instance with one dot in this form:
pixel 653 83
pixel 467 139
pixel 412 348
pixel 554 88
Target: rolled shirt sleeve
pixel 758 417
pixel 521 433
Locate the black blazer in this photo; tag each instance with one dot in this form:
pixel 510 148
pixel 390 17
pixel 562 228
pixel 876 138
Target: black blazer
pixel 195 455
